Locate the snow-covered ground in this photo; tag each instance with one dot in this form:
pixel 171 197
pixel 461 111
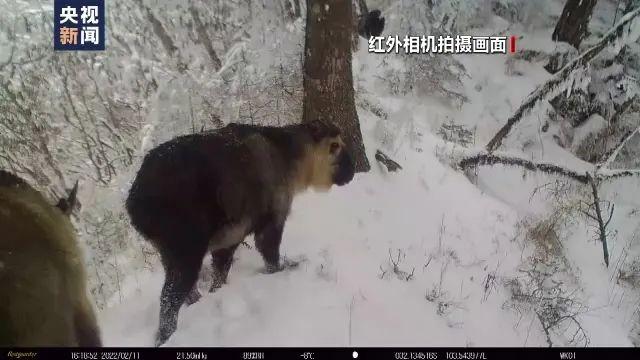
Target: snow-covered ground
pixel 450 236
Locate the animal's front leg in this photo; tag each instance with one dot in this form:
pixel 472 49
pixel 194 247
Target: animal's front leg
pixel 221 260
pixel 268 244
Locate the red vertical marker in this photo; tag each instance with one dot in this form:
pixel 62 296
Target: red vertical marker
pixel 512 44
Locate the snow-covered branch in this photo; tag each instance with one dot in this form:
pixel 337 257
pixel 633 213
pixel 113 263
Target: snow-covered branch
pixel 614 153
pixel 579 176
pixel 492 159
pixel 617 33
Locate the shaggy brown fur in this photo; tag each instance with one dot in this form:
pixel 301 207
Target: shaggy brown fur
pixel 208 191
pixel 43 297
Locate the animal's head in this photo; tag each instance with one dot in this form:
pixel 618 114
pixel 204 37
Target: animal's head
pixel 11 181
pixel 67 204
pixel 328 160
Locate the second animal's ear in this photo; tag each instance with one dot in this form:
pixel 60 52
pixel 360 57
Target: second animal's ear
pixel 371 24
pixel 375 23
pixel 67 205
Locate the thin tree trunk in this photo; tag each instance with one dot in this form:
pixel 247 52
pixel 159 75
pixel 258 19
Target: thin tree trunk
pixel 204 39
pixel 328 81
pixel 159 30
pixel 574 21
pixel 602 226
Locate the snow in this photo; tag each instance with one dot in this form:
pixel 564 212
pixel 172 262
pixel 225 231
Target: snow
pixel 459 241
pixel 456 243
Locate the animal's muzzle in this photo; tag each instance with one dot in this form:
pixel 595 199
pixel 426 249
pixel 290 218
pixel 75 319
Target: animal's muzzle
pixel 345 171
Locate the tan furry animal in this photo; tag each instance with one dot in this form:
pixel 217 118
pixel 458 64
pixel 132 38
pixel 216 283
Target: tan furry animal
pixel 43 294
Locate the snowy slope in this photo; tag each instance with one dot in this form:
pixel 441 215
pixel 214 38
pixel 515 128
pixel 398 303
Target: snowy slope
pixel 449 234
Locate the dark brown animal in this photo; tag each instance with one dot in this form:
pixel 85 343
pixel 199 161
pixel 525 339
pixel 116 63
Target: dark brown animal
pixel 43 295
pixel 370 24
pixel 208 191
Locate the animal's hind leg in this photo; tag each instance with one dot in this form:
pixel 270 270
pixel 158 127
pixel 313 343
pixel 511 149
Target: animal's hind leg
pixel 194 295
pixel 181 274
pixel 221 260
pixel 268 240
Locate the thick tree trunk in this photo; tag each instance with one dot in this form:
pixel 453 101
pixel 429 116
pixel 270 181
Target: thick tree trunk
pixel 328 81
pixel 573 23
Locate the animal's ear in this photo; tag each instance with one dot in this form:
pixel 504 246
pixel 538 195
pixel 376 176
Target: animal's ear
pixel 318 129
pixel 67 205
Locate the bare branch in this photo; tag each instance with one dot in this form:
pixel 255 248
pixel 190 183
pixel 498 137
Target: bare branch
pixel 385 160
pixel 587 214
pixel 610 215
pixel 545 328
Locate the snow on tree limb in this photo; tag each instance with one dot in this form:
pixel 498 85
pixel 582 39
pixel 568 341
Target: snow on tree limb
pixel 606 158
pixel 492 159
pixel 614 154
pixel 561 76
pixel 554 169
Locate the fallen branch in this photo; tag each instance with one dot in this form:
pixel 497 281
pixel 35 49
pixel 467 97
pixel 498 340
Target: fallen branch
pixel 552 84
pixel 492 159
pixel 391 165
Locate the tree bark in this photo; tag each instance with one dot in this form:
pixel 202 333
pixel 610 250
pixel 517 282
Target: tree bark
pixel 574 21
pixel 328 81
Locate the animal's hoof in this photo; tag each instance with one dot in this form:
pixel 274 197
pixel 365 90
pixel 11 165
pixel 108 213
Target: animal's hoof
pixel 160 340
pixel 272 269
pixel 285 264
pixel 219 279
pixel 291 263
pixel 166 329
pixel 215 286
